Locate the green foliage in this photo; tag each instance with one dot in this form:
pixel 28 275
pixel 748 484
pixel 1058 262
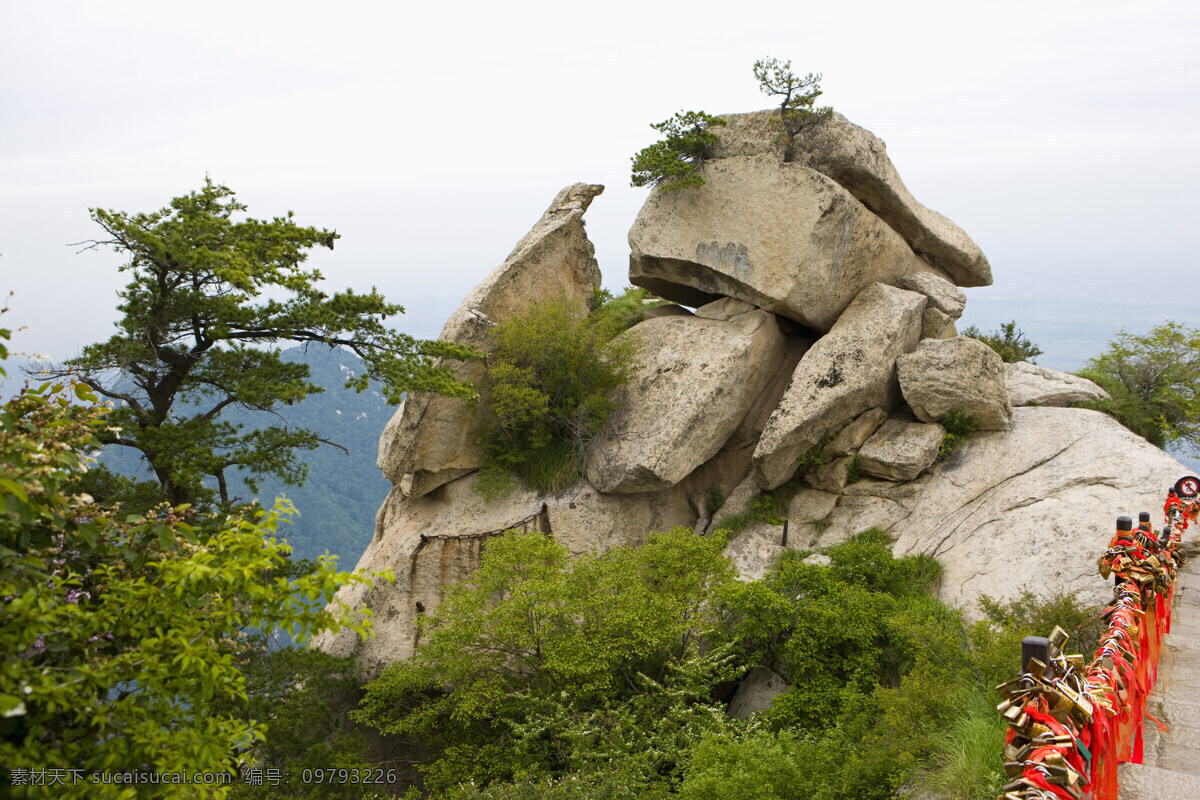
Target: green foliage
pixel 123 631
pixel 714 498
pixel 626 309
pixel 673 162
pixel 1009 341
pixel 303 696
pixel 196 331
pixel 547 394
pixel 854 469
pixel 757 764
pixel 996 640
pixel 958 427
pixel 543 665
pixel 1154 384
pixel 965 763
pixel 768 507
pixel 797 108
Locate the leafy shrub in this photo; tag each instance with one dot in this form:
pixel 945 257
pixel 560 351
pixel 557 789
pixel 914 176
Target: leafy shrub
pixel 1009 341
pixel 854 469
pixel 1153 382
pixel 768 507
pixel 548 394
pixel 674 161
pixel 958 427
pixel 626 309
pixel 544 666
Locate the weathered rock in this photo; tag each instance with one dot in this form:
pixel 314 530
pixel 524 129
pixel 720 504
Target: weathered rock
pixel 937 324
pixel 817 560
pixel 829 477
pixel 665 311
pixel 901 450
pixel 724 309
pixel 851 437
pixel 694 381
pixel 756 693
pixel 753 550
pixel 858 161
pixel 811 505
pixel 959 374
pixel 432 542
pixel 848 371
pixel 431 439
pixel 1031 385
pixel 1029 507
pixel 779 236
pixel 751 426
pixel 943 295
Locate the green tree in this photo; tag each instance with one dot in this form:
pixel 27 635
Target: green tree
pixel 797 108
pixel 1153 382
pixel 548 392
pixel 673 162
pixel 1009 341
pixel 122 632
pixel 544 665
pixel 210 297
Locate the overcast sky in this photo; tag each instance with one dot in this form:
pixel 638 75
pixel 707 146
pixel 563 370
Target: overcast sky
pixel 1060 135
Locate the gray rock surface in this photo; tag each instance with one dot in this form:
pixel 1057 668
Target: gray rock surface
pixel 936 324
pixel 756 692
pixel 724 309
pixel 1031 385
pixel 848 371
pixel 851 437
pixel 431 439
pixel 753 550
pixel 901 449
pixel 779 236
pixel 666 311
pixel 943 295
pixel 1032 506
pixel 810 505
pixel 858 161
pixel 829 477
pixel 451 520
pixel 959 374
pixel 693 383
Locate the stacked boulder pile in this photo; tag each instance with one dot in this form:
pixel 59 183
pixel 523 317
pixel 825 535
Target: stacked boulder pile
pixel 811 345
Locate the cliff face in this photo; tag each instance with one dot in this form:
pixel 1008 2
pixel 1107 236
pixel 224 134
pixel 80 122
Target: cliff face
pixel 821 349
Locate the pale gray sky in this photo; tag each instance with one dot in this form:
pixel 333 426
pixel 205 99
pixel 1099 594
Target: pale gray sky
pixel 1060 135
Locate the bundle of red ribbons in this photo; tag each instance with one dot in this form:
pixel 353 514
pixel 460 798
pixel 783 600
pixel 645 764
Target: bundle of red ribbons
pixel 1070 725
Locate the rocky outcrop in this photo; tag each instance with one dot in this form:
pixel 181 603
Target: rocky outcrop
pixel 753 550
pixel 779 236
pixel 756 692
pixel 849 370
pixel 857 160
pixel 431 439
pixel 434 541
pixel 959 374
pixel 900 450
pixel 694 381
pixel 943 295
pixel 1031 385
pixel 1027 507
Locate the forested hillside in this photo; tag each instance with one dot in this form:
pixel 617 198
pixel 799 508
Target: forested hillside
pixel 338 501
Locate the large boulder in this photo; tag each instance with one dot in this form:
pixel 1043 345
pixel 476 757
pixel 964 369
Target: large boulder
pixel 901 449
pixel 1029 507
pixel 754 549
pixel 431 439
pixel 756 693
pixel 858 161
pixel 848 371
pixel 694 382
pixel 434 541
pixel 1031 385
pixel 959 374
pixel 943 295
pixel 779 236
